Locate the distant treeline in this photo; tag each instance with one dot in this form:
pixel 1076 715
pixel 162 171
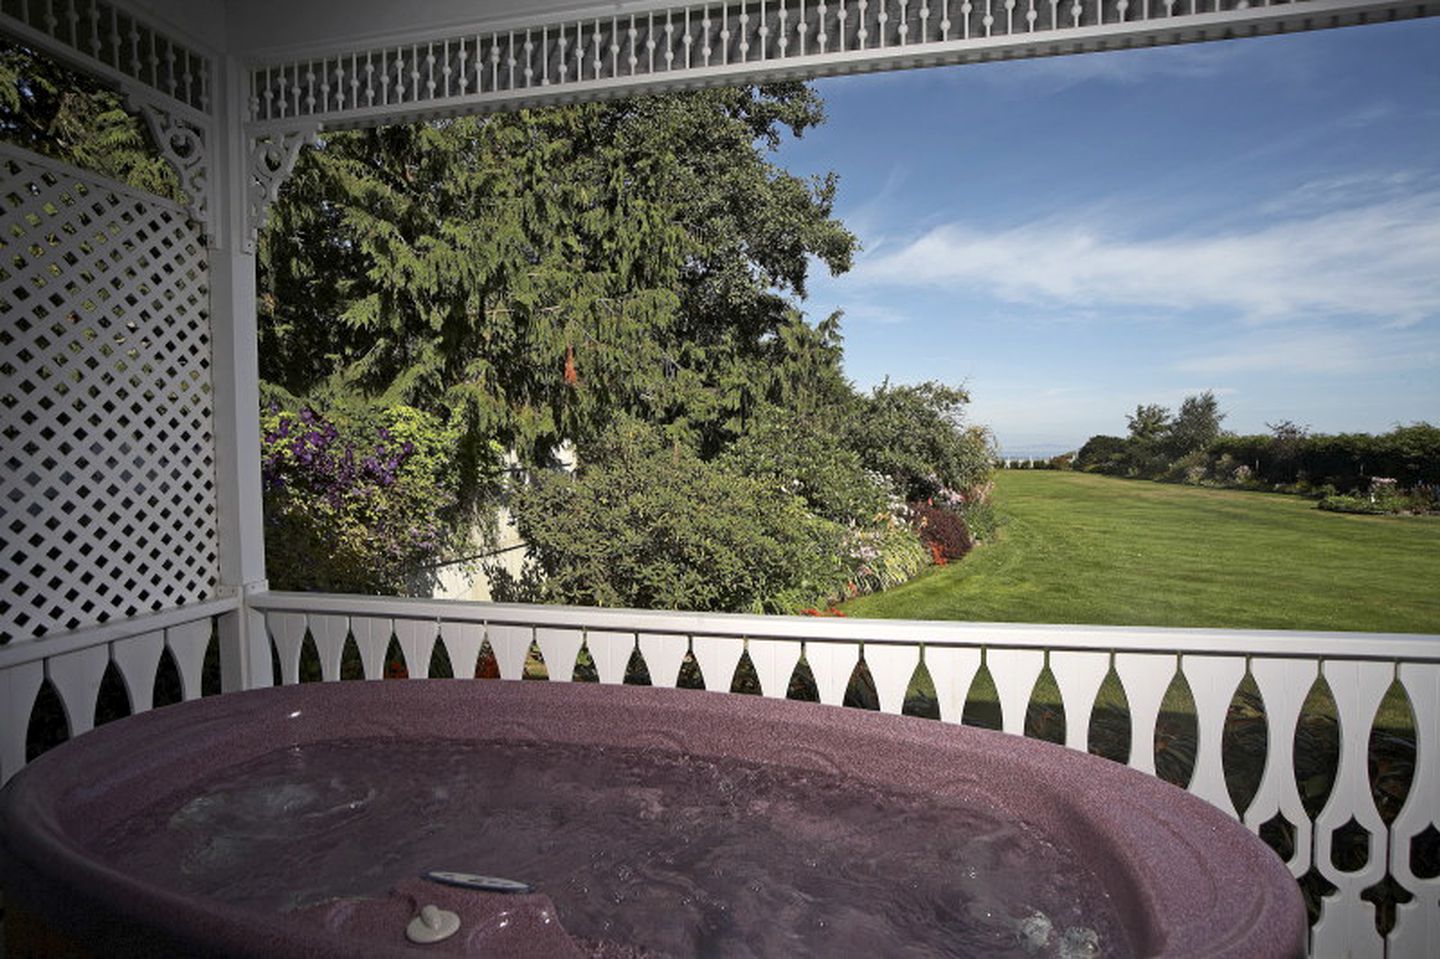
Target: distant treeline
pixel 1191 447
pixel 1410 455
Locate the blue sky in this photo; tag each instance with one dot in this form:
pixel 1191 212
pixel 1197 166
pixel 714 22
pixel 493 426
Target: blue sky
pixel 1071 236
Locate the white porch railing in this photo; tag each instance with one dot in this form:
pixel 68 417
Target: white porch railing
pixel 1359 670
pixel 1348 844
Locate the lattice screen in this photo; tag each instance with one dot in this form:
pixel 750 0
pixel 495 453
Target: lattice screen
pixel 107 462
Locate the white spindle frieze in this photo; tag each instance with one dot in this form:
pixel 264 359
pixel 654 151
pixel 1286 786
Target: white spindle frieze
pixel 372 637
pixel 952 670
pixel 510 644
pixel 1014 672
pixel 287 632
pixel 657 45
pixel 832 665
pixel 18 687
pixel 417 640
pixel 106 39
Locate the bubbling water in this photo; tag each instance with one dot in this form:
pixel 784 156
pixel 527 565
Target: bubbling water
pixel 675 854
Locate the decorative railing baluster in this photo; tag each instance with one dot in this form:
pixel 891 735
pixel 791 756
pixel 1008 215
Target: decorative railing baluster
pixel 137 658
pixel 329 633
pixel 664 653
pixel 1145 677
pixel 462 642
pixel 1015 672
pixel 1283 685
pixel 611 653
pixel 561 649
pixel 187 643
pixel 510 644
pixel 1079 676
pixel 952 670
pixel 891 667
pixel 287 632
pixel 1213 681
pixel 1358 688
pixel 718 656
pixel 1417 922
pixel 372 637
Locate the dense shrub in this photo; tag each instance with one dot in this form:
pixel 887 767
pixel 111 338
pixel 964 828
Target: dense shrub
pixel 1351 504
pixel 942 531
pixel 916 437
pixel 650 525
pixel 1410 455
pixel 800 455
pixel 1289 459
pixel 356 503
pixel 1102 454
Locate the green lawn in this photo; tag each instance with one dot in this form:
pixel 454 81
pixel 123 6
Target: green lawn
pixel 1077 548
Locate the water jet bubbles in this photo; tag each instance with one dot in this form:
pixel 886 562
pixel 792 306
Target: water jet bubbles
pixel 1079 942
pixel 1034 931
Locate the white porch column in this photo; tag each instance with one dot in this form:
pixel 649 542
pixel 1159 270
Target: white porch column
pixel 244 644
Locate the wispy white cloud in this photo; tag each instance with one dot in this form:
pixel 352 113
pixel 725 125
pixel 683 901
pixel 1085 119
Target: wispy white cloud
pixel 1378 262
pixel 1350 190
pixel 1336 352
pixel 874 313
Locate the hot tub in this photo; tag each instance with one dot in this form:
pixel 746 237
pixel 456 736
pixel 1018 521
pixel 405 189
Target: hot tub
pixel 856 831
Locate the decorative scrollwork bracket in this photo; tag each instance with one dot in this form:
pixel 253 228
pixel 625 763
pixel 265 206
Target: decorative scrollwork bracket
pixel 272 160
pixel 183 144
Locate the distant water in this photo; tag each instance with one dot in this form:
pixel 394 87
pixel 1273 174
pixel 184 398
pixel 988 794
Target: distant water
pixel 1040 454
pixel 680 855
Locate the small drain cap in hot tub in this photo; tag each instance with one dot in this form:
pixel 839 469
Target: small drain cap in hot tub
pixel 433 924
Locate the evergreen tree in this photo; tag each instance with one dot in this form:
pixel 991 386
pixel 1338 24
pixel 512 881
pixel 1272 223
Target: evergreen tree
pixel 533 274
pixel 67 115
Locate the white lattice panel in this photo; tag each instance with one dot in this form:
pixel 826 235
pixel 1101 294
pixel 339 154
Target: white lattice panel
pixel 107 462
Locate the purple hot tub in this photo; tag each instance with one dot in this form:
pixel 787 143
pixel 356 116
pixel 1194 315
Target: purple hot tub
pixel 297 821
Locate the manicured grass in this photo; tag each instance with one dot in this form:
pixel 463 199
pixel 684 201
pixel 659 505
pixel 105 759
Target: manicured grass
pixel 1077 548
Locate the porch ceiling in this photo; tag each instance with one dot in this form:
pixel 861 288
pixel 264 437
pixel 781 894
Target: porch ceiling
pixel 317 63
pixel 272 30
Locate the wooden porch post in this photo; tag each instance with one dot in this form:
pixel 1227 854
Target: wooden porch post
pixel 244 643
